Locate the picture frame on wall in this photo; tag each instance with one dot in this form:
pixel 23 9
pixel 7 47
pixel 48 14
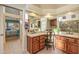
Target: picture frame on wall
pixel 26 25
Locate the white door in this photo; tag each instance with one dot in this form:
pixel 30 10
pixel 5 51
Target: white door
pixel 1 34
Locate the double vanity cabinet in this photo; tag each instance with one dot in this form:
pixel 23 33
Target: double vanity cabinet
pixel 36 42
pixel 67 44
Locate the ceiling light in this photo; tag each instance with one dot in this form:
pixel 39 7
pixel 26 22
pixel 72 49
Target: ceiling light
pixel 70 13
pixel 48 16
pixel 32 14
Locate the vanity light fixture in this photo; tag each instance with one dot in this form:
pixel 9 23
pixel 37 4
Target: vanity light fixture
pixel 70 13
pixel 32 14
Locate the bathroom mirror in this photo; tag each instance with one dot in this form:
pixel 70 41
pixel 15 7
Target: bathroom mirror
pixel 69 26
pixel 34 24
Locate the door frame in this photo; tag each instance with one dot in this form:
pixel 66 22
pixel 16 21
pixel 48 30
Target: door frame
pixel 16 16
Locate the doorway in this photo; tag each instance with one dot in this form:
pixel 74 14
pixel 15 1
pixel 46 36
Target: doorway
pixel 13 30
pixel 13 40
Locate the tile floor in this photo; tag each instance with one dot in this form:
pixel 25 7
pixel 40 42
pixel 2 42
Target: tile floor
pixel 50 51
pixel 14 47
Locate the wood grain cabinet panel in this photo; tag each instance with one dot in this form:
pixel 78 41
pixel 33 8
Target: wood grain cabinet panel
pixel 61 43
pixel 72 48
pixel 71 40
pixel 77 41
pixel 53 22
pixel 42 38
pixel 67 44
pixel 42 45
pixel 78 49
pixel 42 41
pixel 35 44
pixel 35 48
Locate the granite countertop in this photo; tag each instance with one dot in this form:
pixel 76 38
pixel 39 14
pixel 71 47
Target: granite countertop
pixel 69 35
pixel 61 34
pixel 36 34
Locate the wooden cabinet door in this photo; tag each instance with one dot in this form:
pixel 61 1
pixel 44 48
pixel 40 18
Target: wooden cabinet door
pixel 42 38
pixel 42 45
pixel 61 43
pixel 57 42
pixel 78 49
pixel 53 22
pixel 42 41
pixel 35 48
pixel 35 44
pixel 77 40
pixel 72 48
pixel 64 43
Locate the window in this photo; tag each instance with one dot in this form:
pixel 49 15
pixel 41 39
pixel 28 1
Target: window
pixel 12 10
pixel 11 18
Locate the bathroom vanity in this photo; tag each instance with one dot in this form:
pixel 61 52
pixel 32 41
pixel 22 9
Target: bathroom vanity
pixel 67 43
pixel 36 42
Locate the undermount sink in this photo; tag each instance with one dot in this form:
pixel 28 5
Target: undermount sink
pixel 70 33
pixel 67 33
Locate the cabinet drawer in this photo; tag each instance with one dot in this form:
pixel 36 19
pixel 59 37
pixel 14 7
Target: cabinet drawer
pixel 35 48
pixel 71 40
pixel 42 37
pixel 35 42
pixel 42 45
pixel 35 39
pixel 72 48
pixel 42 40
pixel 78 49
pixel 77 41
pixel 59 44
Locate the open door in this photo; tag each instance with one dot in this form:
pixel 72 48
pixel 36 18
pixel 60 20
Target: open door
pixel 1 34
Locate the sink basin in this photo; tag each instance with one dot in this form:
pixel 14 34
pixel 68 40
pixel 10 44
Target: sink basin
pixel 67 33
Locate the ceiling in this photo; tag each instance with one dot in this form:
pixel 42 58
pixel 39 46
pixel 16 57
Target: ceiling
pixel 50 6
